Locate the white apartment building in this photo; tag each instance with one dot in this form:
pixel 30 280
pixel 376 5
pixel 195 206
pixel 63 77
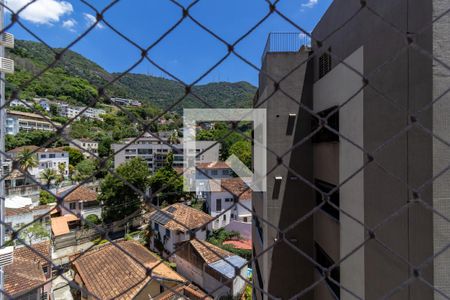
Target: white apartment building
pixel 154 149
pixel 126 102
pixel 17 121
pixel 68 111
pixel 89 146
pixel 221 197
pixel 48 158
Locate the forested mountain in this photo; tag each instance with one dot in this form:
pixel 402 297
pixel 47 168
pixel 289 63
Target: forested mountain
pixel 76 79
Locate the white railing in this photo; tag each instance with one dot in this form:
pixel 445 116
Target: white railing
pixel 7 40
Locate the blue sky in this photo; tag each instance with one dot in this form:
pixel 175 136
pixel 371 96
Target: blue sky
pixel 187 52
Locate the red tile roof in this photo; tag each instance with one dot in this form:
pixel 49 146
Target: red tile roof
pixel 60 225
pixel 208 252
pixel 241 244
pixel 25 273
pixel 235 186
pixel 213 165
pixel 189 291
pixel 80 193
pixel 108 272
pixel 178 213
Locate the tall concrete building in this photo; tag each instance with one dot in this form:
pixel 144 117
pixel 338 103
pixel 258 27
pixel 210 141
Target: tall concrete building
pixel 371 202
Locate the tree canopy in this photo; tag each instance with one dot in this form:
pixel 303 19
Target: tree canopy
pixel 119 199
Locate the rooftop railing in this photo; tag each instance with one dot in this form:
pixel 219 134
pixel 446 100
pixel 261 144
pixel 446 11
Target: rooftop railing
pixel 285 42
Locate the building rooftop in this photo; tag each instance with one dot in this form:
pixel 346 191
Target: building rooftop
pixel 26 273
pixel 109 272
pixel 222 261
pixel 27 209
pixel 235 186
pixel 79 193
pixel 213 165
pixel 171 217
pixel 37 149
pixel 189 291
pixel 60 225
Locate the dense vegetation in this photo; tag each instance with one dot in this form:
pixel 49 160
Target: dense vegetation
pixel 76 79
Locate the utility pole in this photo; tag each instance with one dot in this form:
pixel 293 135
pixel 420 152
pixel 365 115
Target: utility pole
pixel 6 66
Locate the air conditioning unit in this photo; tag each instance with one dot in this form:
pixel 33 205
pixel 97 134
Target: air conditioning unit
pixel 7 40
pixel 6 256
pixel 6 65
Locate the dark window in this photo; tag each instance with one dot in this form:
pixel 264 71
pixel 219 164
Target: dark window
pixel 324 64
pixel 144 151
pixel 73 206
pixel 218 204
pixel 324 135
pixel 213 172
pixel 168 233
pixel 326 187
pixel 156 226
pixel 225 217
pixel 51 155
pixel 161 288
pixel 325 261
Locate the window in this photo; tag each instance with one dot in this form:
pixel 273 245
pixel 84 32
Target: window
pixel 324 135
pixel 325 261
pixel 245 220
pixel 218 204
pixel 228 199
pixel 213 172
pixel 168 233
pixel 45 269
pixel 156 226
pixel 43 156
pixel 51 155
pixel 232 216
pixel 73 206
pixel 326 187
pixel 324 64
pixel 225 172
pixel 145 151
pixel 225 217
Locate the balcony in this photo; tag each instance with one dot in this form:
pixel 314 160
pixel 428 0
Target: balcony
pixel 7 40
pixel 285 42
pixel 6 65
pixel 24 190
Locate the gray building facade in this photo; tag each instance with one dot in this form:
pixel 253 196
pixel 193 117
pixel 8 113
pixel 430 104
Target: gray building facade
pixel 370 202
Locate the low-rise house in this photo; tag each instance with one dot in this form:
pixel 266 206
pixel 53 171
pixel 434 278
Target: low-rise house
pixel 172 225
pixel 112 273
pixel 78 112
pixel 17 184
pixel 80 200
pixel 18 217
pixel 213 170
pixel 222 196
pixel 87 146
pixel 212 268
pixel 48 158
pixel 28 277
pixel 17 121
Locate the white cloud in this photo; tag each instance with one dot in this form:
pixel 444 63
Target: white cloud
pixel 70 24
pixel 310 3
pixel 41 11
pixel 90 19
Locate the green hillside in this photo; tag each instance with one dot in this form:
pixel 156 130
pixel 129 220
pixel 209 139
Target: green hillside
pixel 76 78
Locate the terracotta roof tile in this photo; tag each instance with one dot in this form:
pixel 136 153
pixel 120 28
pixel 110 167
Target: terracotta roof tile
pixel 189 291
pixel 235 186
pixel 108 272
pixel 213 165
pixel 178 213
pixel 80 193
pixel 241 244
pixel 26 209
pixel 207 251
pixel 60 225
pixel 26 273
pixel 20 149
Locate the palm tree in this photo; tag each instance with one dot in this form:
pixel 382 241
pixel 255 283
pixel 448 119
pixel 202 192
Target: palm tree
pixel 48 175
pixel 27 159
